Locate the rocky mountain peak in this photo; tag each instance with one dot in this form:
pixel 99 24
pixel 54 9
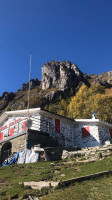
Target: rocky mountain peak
pixel 61 75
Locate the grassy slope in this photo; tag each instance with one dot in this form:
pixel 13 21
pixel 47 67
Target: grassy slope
pixel 99 189
pixel 11 176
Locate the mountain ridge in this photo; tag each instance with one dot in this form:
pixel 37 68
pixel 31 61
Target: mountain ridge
pixel 60 79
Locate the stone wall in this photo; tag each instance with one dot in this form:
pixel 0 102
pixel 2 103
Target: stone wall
pixel 104 135
pixel 89 154
pixel 17 144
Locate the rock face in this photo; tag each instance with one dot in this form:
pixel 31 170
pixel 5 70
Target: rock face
pixel 62 75
pixel 33 83
pixel 7 96
pixel 104 79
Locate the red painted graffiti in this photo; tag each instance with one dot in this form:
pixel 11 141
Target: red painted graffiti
pixel 16 121
pixel 3 127
pixel 11 131
pixel 24 126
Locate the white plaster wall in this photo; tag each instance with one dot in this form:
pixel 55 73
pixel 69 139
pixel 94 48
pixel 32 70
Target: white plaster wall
pixel 89 141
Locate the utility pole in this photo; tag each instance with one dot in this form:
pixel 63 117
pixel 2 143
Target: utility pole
pixel 29 85
pixel 29 122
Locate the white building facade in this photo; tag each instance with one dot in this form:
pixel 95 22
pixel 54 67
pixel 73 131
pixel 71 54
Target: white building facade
pixel 66 132
pixel 14 124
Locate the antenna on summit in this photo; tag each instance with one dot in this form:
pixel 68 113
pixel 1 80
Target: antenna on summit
pixel 29 84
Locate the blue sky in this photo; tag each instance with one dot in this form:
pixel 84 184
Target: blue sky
pixel 76 30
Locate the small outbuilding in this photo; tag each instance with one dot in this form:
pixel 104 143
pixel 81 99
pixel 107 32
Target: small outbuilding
pixel 92 132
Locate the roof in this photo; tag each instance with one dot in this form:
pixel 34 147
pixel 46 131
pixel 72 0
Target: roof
pixel 31 111
pixel 97 121
pixel 57 115
pixel 39 110
pixel 17 112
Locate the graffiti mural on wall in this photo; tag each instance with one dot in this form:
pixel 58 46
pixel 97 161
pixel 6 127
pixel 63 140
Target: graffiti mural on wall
pixel 12 127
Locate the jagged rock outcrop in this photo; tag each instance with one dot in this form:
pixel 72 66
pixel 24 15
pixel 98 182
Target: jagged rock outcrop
pixel 7 96
pixel 104 79
pixel 61 75
pixel 52 95
pixel 33 83
pixel 102 82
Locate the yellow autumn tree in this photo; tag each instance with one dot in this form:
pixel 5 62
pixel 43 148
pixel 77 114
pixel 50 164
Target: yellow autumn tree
pixel 103 105
pixel 62 107
pixel 88 100
pixel 77 106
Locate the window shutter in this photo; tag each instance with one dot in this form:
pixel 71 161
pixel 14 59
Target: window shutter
pixel 85 131
pixel 1 136
pixel 110 133
pixel 57 125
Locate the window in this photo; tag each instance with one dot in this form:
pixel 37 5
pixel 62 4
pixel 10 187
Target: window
pixel 85 131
